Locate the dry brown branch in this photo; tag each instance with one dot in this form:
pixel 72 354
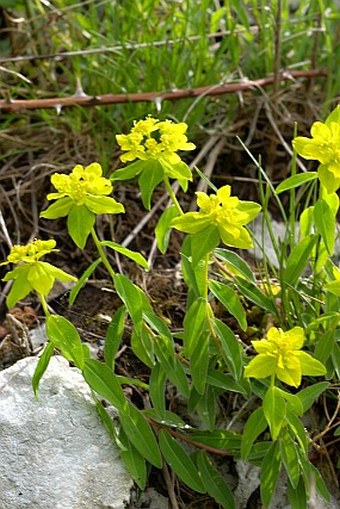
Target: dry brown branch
pixel 172 95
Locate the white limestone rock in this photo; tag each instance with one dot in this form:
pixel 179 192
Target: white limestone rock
pixel 55 452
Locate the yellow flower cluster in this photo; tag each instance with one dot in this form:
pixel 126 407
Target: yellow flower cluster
pixel 324 146
pixel 31 252
pixel 80 183
pixel 154 139
pixel 280 355
pixel 227 213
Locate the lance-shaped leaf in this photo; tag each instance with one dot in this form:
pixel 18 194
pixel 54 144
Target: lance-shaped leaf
pixel 140 434
pixel 180 462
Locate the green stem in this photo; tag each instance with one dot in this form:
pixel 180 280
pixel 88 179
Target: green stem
pixel 102 254
pixel 44 305
pixel 172 194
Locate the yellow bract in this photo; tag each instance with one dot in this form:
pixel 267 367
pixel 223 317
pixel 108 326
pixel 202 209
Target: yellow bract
pixel 31 252
pixel 79 183
pixel 154 139
pixel 324 146
pixel 280 355
pixel 224 210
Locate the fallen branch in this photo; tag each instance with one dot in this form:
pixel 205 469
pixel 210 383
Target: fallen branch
pixel 81 99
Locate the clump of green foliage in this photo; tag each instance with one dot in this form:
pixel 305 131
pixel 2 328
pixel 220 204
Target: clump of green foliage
pixel 206 359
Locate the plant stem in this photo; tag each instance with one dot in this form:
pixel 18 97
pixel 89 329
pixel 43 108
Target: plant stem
pixel 44 305
pixel 102 253
pixel 172 194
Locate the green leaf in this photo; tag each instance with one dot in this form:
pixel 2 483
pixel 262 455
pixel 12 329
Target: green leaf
pixel 226 381
pixel 131 296
pixel 207 406
pixel 142 344
pixel 203 243
pixel 230 301
pixel 133 255
pixel 199 361
pixel 149 180
pixel 325 224
pixel 180 462
pixel 231 349
pixel 297 495
pixel 235 263
pixel 140 434
pixel 163 228
pixel 103 205
pixel 158 325
pixel 290 459
pixel 65 337
pixel 298 431
pixel 157 389
pixel 270 470
pixel 41 367
pixel 251 292
pixel 103 381
pixel 82 280
pixel 213 482
pixel 130 171
pixel 296 181
pixel 40 278
pixel 60 208
pixel 195 322
pixel 333 287
pixel 320 483
pixel 21 287
pixel 255 425
pixel 133 460
pixel 293 402
pixel 80 222
pixel 336 359
pixel 169 418
pixel 106 418
pixel 324 346
pixel 217 438
pixel 298 259
pixel 179 171
pixel 113 336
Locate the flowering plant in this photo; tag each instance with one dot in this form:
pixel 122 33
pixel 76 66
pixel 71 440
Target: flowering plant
pixel 31 273
pixel 205 360
pixel 280 355
pixel 324 146
pixel 80 196
pixel 222 216
pixel 155 145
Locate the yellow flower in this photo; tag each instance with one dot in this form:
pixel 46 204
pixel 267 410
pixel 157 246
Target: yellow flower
pixel 280 355
pixel 324 146
pixel 31 252
pixel 81 195
pixel 31 273
pixel 227 213
pixel 152 139
pixel 83 187
pixel 81 183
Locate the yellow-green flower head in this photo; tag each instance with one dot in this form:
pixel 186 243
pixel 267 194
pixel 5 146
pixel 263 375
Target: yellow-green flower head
pixel 227 213
pixel 81 195
pixel 31 252
pixel 154 139
pixel 280 355
pixel 324 146
pixel 81 183
pixel 31 273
